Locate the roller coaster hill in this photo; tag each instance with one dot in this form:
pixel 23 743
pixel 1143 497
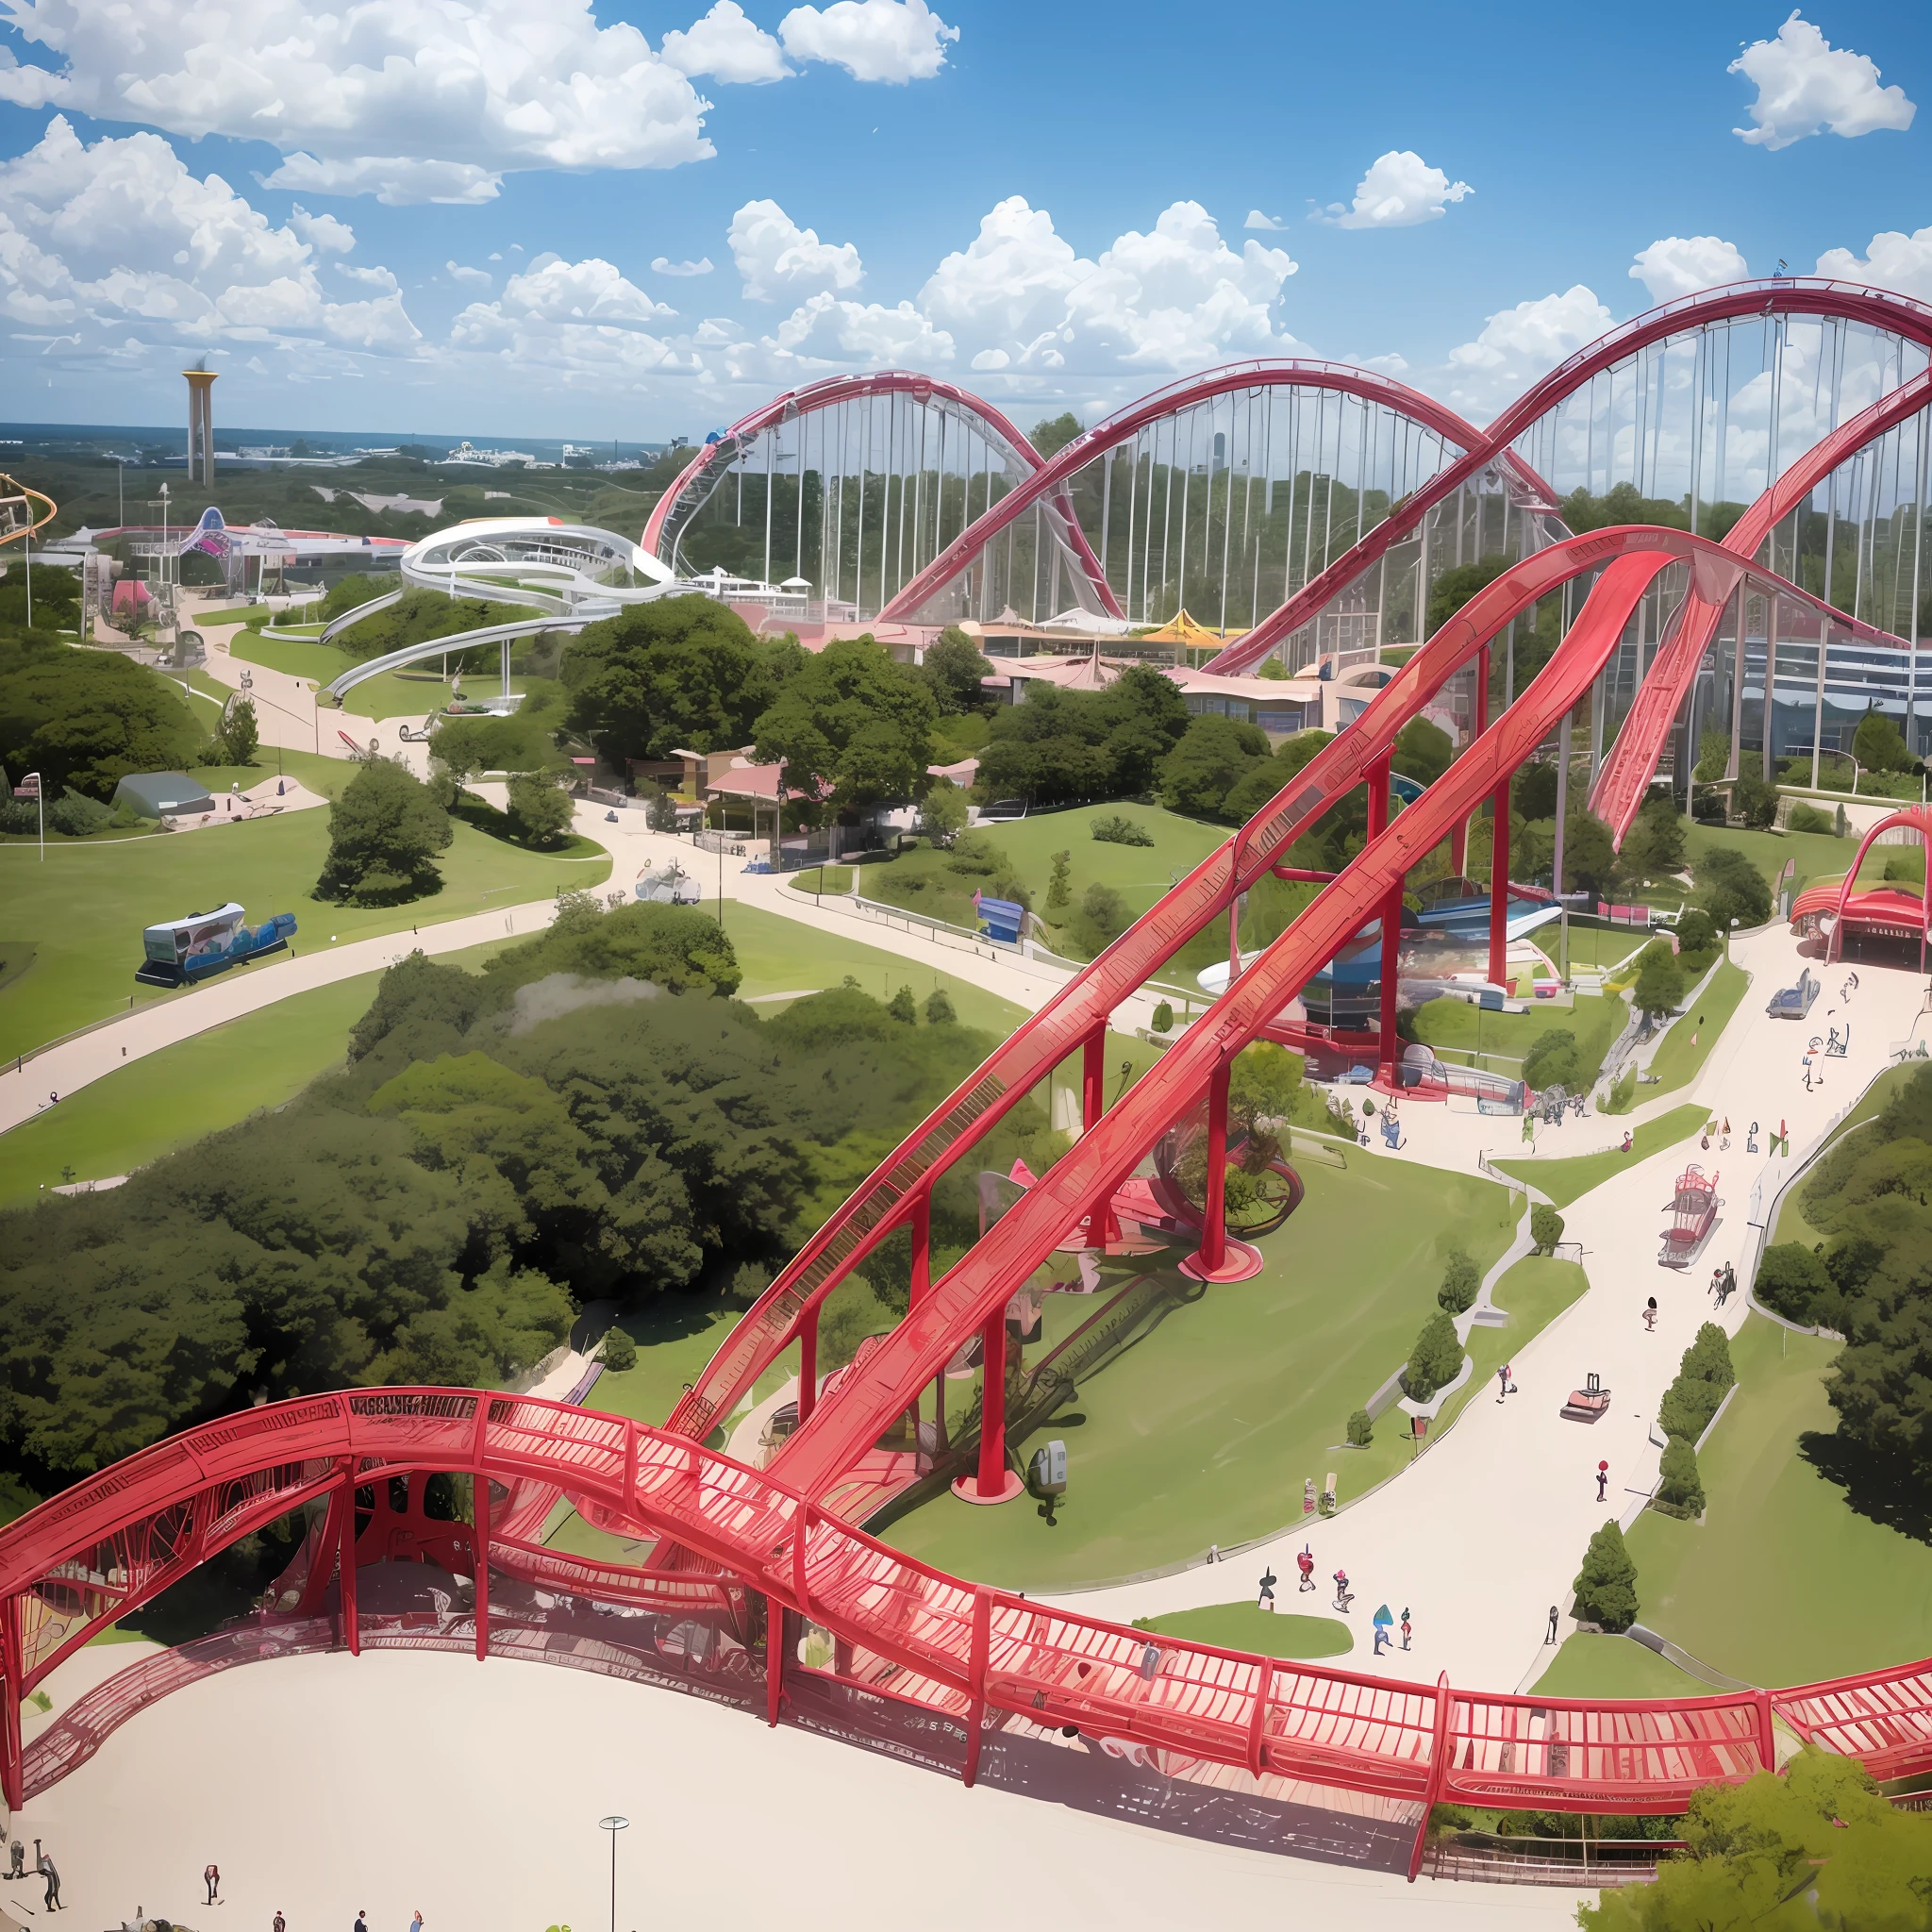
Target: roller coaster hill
pixel 1363 485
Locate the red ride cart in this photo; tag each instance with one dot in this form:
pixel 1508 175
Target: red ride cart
pixel 1693 1213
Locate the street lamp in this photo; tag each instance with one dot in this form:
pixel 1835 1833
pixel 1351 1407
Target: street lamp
pixel 613 1825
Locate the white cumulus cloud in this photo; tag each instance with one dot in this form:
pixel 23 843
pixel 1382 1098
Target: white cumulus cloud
pixel 97 240
pixel 458 273
pixel 1893 260
pixel 415 100
pixel 871 40
pixel 589 291
pixel 1007 288
pixel 1677 265
pixel 1805 86
pixel 1257 219
pixel 1516 347
pixel 728 46
pixel 1399 191
pixel 663 265
pixel 323 233
pixel 776 258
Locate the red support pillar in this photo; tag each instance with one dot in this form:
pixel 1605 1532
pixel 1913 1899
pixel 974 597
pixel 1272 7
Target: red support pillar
pixel 12 1776
pixel 480 1539
pixel 975 1679
pixel 1441 1747
pixel 1214 1213
pixel 775 1658
pixel 921 1224
pixel 1100 1228
pixel 1479 723
pixel 345 1569
pixel 992 1406
pixel 1499 885
pixel 1387 1041
pixel 808 1366
pixel 1378 798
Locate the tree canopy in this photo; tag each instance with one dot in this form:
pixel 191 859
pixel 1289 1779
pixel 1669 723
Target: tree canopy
pixel 855 719
pixel 1212 756
pixel 1062 747
pixel 87 719
pixel 384 833
pixel 953 666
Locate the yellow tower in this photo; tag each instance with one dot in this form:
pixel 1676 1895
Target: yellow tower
pixel 201 425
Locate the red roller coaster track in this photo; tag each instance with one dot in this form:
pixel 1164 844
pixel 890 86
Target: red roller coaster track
pixel 93 1553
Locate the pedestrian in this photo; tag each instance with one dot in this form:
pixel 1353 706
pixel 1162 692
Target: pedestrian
pixel 1502 1384
pixel 1603 1478
pixel 1404 1626
pixel 1343 1598
pixel 1383 1620
pixel 281 1925
pixel 212 1879
pixel 1308 1495
pixel 1649 1316
pixel 1306 1564
pixel 361 1921
pixel 1214 1553
pixel 18 1868
pixel 45 1866
pixel 416 1923
pixel 1552 1636
pixel 1266 1600
pixel 1730 1286
pixel 1625 1148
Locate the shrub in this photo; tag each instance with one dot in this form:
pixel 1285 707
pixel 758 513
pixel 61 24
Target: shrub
pixel 1058 890
pixel 1546 1228
pixel 1553 1061
pixel 1163 1018
pixel 618 1350
pixel 1790 1278
pixel 660 813
pixel 1360 1429
pixel 1702 1378
pixel 1435 1361
pixel 942 817
pixel 1606 1586
pixel 540 808
pixel 384 833
pixel 1106 910
pixel 1696 933
pixel 938 1009
pixel 1731 888
pixel 1115 830
pixel 1805 818
pixel 1755 802
pixel 1461 1282
pixel 240 735
pixel 1680 1485
pixel 78 815
pixel 1660 981
pixel 1622 1096
pixel 903 1006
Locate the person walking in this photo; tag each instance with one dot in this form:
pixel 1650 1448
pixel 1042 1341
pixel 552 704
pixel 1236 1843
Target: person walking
pixel 212 1879
pixel 280 1924
pixel 1502 1384
pixel 45 1866
pixel 1404 1626
pixel 1266 1600
pixel 1306 1564
pixel 1603 1477
pixel 1649 1316
pixel 1554 1614
pixel 1730 1286
pixel 361 1921
pixel 1343 1598
pixel 1383 1620
pixel 416 1923
pixel 18 1868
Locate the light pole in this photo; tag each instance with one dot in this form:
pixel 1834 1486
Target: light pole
pixel 613 1825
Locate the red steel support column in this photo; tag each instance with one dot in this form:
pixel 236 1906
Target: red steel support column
pixel 1214 1211
pixel 1387 1043
pixel 975 1677
pixel 775 1658
pixel 993 1408
pixel 1767 1737
pixel 1439 1770
pixel 1092 1105
pixel 1378 798
pixel 480 1539
pixel 919 1226
pixel 345 1569
pixel 1499 886
pixel 12 1779
pixel 808 1366
pixel 1479 721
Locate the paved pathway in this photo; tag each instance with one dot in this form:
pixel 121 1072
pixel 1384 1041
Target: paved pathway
pixel 1485 1532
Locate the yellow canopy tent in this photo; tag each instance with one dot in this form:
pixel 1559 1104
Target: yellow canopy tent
pixel 1182 630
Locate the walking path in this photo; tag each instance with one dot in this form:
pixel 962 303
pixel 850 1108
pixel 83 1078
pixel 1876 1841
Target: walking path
pixel 1486 1531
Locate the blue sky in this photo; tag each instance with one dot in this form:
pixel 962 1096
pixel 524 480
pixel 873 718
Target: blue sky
pixel 470 213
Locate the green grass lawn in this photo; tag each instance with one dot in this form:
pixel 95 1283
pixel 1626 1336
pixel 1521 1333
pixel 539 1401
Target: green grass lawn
pixel 151 1107
pixel 413 693
pixel 1600 947
pixel 1783 1583
pixel 1207 1429
pixel 1677 1062
pixel 82 910
pixel 1791 1224
pixel 1565 1181
pixel 1587 1665
pixel 1817 855
pixel 1259 1633
pixel 1596 1019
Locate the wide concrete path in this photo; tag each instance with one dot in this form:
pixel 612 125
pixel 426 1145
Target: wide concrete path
pixel 1484 1533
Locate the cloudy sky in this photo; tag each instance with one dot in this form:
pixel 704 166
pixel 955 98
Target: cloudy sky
pixel 600 218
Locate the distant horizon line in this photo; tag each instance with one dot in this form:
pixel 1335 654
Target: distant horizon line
pixel 389 439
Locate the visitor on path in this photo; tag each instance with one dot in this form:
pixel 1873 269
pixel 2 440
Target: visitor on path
pixel 280 1923
pixel 18 1868
pixel 416 1923
pixel 1730 1286
pixel 361 1921
pixel 1649 1316
pixel 1626 1140
pixel 212 1879
pixel 1404 1626
pixel 1266 1600
pixel 1717 1282
pixel 45 1866
pixel 1502 1384
pixel 1603 1478
pixel 1554 1614
pixel 1306 1564
pixel 1343 1597
pixel 1751 1137
pixel 1383 1620
pixel 1724 1139
pixel 1308 1495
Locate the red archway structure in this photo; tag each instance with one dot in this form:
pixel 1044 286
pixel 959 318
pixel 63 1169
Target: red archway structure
pixel 1878 909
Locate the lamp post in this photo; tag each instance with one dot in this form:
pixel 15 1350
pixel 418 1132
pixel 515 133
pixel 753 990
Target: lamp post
pixel 613 1825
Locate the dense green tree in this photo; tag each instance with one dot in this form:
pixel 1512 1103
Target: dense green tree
pixel 1062 747
pixel 1435 1360
pixel 1589 860
pixel 676 947
pixel 1211 760
pixel 1422 751
pixel 1731 887
pixel 1053 435
pixel 1461 1282
pixel 347 593
pixel 384 833
pixel 1697 933
pixel 1546 1228
pixel 540 808
pixel 942 816
pixel 903 1007
pixel 1791 1278
pixel 1654 846
pixel 239 738
pixel 856 720
pixel 1251 792
pixel 938 1009
pixel 1553 1061
pixel 1754 802
pixel 1533 791
pixel 1660 982
pixel 1678 1482
pixel 1713 756
pixel 953 668
pixel 678 674
pixel 88 719
pixel 1878 746
pixel 1606 1586
pixel 1456 587
pixel 1058 889
pixel 1815 1845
